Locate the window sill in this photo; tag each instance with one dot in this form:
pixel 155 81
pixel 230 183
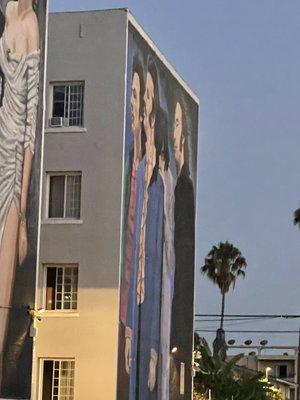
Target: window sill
pixel 66 129
pixel 60 314
pixel 62 221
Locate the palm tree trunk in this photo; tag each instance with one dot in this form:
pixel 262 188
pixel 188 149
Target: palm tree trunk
pixel 222 311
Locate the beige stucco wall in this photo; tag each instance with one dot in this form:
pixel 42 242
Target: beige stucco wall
pixel 90 340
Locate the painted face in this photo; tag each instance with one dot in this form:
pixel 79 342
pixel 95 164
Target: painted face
pixel 135 102
pixel 177 134
pixel 148 101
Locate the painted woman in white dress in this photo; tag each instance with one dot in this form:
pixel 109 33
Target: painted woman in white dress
pixel 19 62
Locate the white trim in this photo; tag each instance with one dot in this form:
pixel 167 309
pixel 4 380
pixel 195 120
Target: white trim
pixel 66 129
pixel 182 379
pixel 65 195
pixel 122 201
pixel 61 221
pixel 67 85
pixel 34 378
pixel 50 103
pixel 196 231
pixel 41 361
pixel 59 312
pixel 152 45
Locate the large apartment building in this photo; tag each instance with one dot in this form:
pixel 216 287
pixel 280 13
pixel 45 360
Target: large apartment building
pixel 78 275
pixel 116 254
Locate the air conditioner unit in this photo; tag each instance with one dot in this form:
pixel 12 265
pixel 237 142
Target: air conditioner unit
pixel 57 122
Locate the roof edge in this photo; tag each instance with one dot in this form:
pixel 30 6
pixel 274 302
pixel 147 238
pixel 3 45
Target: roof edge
pixel 160 55
pixel 90 11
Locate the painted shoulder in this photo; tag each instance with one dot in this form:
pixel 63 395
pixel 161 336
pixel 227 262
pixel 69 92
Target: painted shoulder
pixel 11 11
pixel 32 26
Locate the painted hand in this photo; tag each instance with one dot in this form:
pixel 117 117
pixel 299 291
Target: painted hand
pixel 127 354
pixel 23 242
pixel 152 370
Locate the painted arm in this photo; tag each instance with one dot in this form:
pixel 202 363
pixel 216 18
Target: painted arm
pixel 156 303
pixel 30 128
pixel 130 330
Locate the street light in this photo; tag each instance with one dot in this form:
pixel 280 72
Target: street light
pixel 268 369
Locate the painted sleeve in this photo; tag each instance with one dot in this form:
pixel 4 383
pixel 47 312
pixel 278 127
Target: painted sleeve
pixel 125 269
pixel 157 265
pixel 132 277
pixel 32 99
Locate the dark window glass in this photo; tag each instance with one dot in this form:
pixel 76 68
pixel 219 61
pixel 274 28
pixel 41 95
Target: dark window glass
pixel 59 94
pixel 282 371
pixel 47 380
pixel 56 197
pixel 50 291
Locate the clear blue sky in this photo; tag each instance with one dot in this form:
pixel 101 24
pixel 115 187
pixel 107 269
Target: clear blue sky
pixel 243 60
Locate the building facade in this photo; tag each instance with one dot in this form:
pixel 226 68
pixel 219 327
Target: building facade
pixel 90 299
pixel 281 370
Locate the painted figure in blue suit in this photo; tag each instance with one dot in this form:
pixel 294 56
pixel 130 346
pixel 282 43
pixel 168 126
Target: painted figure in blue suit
pixel 151 246
pixel 133 168
pixel 144 302
pixel 130 306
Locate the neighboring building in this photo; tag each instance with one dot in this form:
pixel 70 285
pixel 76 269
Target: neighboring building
pixel 281 370
pixel 86 146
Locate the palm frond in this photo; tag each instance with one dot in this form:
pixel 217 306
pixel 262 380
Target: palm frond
pixel 224 264
pixel 297 217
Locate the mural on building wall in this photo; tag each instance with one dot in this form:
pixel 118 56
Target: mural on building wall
pixel 157 266
pixel 22 42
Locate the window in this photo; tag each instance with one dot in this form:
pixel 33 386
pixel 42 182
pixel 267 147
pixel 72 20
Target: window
pixel 58 380
pixel 64 195
pixel 67 106
pixel 292 394
pixel 282 371
pixel 61 287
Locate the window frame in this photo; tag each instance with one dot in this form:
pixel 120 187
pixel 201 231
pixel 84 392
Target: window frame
pixel 64 219
pixel 40 380
pixel 64 312
pixel 66 83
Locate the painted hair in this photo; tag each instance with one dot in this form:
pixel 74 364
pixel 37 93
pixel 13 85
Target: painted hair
pixel 185 132
pixel 162 142
pixel 161 123
pixel 152 70
pixel 137 68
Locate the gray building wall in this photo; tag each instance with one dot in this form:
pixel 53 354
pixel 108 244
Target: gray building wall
pixel 89 335
pixel 89 47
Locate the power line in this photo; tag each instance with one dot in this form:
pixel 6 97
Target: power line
pixel 246 331
pixel 237 322
pixel 250 315
pixel 234 319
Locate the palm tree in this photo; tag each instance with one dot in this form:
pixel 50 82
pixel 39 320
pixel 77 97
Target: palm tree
pixel 297 217
pixel 223 265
